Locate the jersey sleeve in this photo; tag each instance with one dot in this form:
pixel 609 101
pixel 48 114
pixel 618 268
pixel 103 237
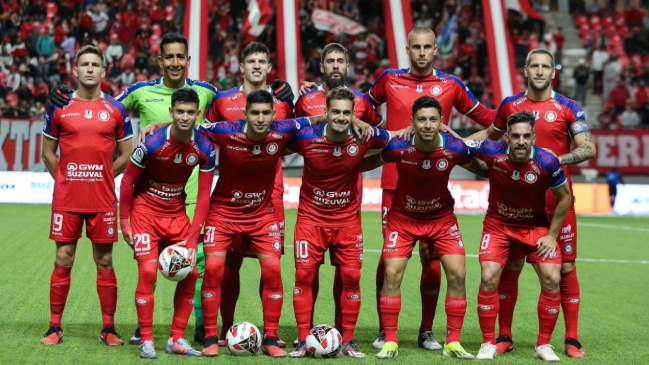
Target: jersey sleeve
pixel 290 127
pixel 459 149
pixel 299 108
pixel 370 115
pixel 208 152
pixel 376 93
pixel 131 96
pixel 380 138
pixel 393 150
pixel 51 126
pixel 551 164
pixel 500 123
pixel 576 118
pixel 465 102
pixel 212 113
pixel 124 125
pixel 217 132
pixel 482 149
pixel 141 153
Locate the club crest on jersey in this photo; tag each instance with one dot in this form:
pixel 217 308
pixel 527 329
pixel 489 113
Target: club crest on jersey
pixel 192 159
pixel 516 175
pixel 442 165
pixel 272 148
pixel 88 114
pixel 256 149
pixel 531 177
pixel 536 114
pixel 436 90
pixel 178 158
pixel 551 116
pixel 337 151
pixel 425 165
pixel 276 246
pixel 352 149
pixel 420 89
pixel 110 231
pixel 103 116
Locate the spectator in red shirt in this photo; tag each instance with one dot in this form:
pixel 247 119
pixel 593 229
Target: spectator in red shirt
pixel 559 40
pixel 618 98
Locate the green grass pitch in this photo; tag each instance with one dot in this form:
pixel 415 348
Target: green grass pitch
pixel 613 271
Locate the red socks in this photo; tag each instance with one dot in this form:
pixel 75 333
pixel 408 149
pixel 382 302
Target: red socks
pixel 380 276
pixel 315 289
pixel 183 305
pixel 548 311
pixel 488 306
pixel 59 289
pixel 508 294
pixel 147 272
pixel 107 290
pixel 338 292
pixel 390 308
pixel 350 300
pixel 431 278
pixel 303 301
pixel 455 311
pixel 273 294
pixel 570 298
pixel 232 285
pixel 211 292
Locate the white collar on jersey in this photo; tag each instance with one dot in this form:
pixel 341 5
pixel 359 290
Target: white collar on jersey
pixel 350 132
pixel 168 134
pixel 75 96
pixel 270 89
pixel 442 140
pixel 532 152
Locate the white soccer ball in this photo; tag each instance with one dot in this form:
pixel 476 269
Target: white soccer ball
pixel 243 339
pixel 174 263
pixel 324 341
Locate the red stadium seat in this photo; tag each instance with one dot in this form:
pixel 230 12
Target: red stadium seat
pixel 580 19
pixel 594 19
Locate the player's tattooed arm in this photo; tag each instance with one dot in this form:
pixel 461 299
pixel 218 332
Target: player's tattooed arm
pixel 317 119
pixel 585 150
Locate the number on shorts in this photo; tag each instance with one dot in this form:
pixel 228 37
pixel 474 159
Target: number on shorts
pixel 485 241
pixel 142 242
pixel 393 238
pixel 57 222
pixel 209 234
pixel 301 249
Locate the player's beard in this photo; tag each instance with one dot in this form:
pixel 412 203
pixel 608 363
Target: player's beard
pixel 427 67
pixel 335 82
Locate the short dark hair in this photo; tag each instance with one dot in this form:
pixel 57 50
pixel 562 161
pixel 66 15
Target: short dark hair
pixel 333 47
pixel 252 48
pixel 521 117
pixel 172 38
pixel 259 97
pixel 91 50
pixel 340 93
pixel 538 51
pixel 185 95
pixel 426 102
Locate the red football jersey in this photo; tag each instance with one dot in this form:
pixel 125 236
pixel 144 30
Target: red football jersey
pixel 88 132
pixel 517 191
pixel 167 166
pixel 329 193
pixel 230 105
pixel 399 89
pixel 315 101
pixel 558 120
pixel 247 167
pixel 422 190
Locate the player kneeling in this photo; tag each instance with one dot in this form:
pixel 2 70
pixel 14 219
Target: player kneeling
pixel 152 194
pixel 519 175
pixel 423 210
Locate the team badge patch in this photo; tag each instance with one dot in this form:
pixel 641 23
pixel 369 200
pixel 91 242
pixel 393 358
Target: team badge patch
pixel 516 175
pixel 138 154
pixel 530 177
pixel 360 257
pixel 88 114
pixel 425 165
pixel 256 149
pixel 436 90
pixel 103 116
pixel 442 165
pixel 536 114
pixel 337 152
pixel 551 116
pixel 420 89
pixel 272 148
pixel 192 159
pixel 352 149
pixel 178 158
pixel 460 244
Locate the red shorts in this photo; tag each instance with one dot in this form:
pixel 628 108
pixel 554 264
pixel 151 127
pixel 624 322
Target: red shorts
pixel 498 241
pixel 345 245
pixel 386 204
pixel 100 227
pixel 401 233
pixel 240 247
pixel 263 235
pixel 152 233
pixel 567 240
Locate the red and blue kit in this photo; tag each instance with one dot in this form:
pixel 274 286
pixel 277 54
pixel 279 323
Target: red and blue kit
pixel 242 194
pixel 328 214
pixel 516 212
pixel 558 120
pixel 422 208
pixel 315 101
pixel 84 184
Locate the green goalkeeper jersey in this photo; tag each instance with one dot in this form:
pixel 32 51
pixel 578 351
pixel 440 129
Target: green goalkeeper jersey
pixel 152 100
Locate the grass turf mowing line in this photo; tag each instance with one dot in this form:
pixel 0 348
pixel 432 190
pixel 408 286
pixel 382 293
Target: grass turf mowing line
pixel 613 318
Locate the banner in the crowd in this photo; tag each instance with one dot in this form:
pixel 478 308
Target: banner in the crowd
pixel 196 26
pixel 524 7
pixel 257 16
pixel 289 54
pixel 21 145
pixel 626 150
pixel 331 22
pixel 632 200
pixel 398 23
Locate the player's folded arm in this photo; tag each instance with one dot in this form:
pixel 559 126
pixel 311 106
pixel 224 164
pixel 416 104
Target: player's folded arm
pixel 478 167
pixel 372 162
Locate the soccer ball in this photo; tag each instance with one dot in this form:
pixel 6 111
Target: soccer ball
pixel 174 263
pixel 324 341
pixel 243 339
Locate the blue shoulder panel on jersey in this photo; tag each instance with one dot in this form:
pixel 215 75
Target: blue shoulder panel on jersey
pixel 550 163
pixel 225 94
pixel 389 71
pixel 457 80
pixel 224 127
pixel 116 104
pixel 307 93
pixel 287 125
pixel 361 95
pixel 47 124
pixel 488 147
pixel 310 132
pixel 454 144
pixel 572 105
pixel 154 141
pixel 204 84
pixel 397 143
pixel 204 144
pixel 139 85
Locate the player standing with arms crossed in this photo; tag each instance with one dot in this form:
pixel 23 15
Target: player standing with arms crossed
pixel 520 175
pixel 87 131
pixel 159 169
pixel 329 216
pixel 423 210
pixel 560 121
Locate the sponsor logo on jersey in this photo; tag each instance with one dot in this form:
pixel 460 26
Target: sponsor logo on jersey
pixel 400 86
pixel 337 152
pixel 159 100
pixel 580 114
pixel 256 149
pixel 420 89
pixel 178 158
pixel 436 90
pixel 352 149
pixel 566 229
pixel 320 150
pixel 103 116
pixel 534 167
pixel 237 109
pixel 319 106
pixel 235 148
pixel 192 159
pixel 551 116
pixel 88 114
pixel 70 115
pixel 235 96
pixel 516 175
pixel 409 162
pixel 531 177
pixel 107 106
pixel 556 105
pixel 447 154
pixel 442 164
pixel 517 102
pixel 272 148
